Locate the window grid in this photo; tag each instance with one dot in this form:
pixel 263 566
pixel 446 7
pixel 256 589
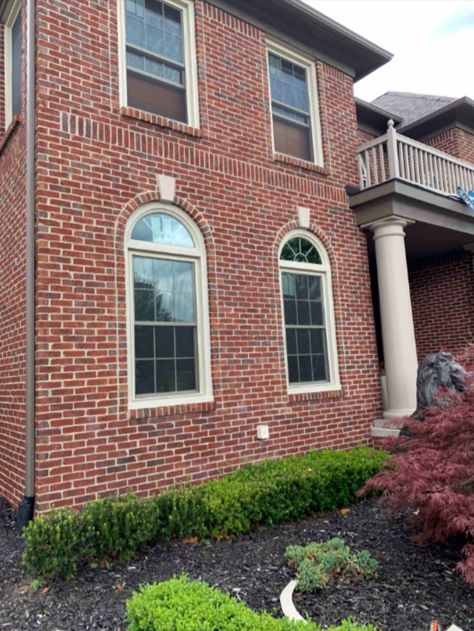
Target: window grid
pixel 143 17
pixel 305 328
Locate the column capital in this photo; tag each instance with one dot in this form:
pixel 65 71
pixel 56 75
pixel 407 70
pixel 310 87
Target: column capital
pixel 388 227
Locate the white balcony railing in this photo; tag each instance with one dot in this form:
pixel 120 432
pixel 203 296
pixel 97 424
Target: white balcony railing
pixel 395 156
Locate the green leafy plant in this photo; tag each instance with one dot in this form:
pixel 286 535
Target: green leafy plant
pixel 184 605
pixel 268 493
pixel 317 564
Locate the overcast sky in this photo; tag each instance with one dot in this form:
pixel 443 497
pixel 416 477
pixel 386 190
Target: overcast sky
pixel 432 42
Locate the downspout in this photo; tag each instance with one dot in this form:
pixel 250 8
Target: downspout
pixel 27 505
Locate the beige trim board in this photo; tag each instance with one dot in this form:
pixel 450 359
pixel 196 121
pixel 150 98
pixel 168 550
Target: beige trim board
pixel 402 199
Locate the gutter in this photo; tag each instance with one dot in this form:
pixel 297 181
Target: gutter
pixel 27 505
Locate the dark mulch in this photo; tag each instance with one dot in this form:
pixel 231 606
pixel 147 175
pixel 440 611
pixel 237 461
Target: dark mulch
pixel 415 585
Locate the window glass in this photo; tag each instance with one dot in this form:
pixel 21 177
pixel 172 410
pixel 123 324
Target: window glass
pixel 305 328
pixel 155 58
pixel 165 326
pixel 16 39
pixel 292 132
pixel 162 228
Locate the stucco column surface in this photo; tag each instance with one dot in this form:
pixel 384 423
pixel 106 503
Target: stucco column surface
pixel 398 331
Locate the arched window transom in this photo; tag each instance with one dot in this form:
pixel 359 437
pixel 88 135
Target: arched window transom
pixel 308 314
pixel 168 318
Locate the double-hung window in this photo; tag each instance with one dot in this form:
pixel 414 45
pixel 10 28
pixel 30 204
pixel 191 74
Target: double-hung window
pixel 13 66
pixel 168 320
pixel 159 58
pixel 310 341
pixel 295 116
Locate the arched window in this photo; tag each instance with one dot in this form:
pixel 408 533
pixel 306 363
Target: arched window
pixel 308 314
pixel 169 358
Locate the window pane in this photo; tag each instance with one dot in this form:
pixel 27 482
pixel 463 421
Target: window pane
pixel 293 374
pixel 16 65
pixel 301 286
pixel 317 341
pixel 314 283
pixel 292 139
pixel 316 309
pixel 148 94
pixel 164 341
pixel 186 374
pixel 144 377
pixel 143 272
pixel 135 31
pixel 303 312
pixel 164 229
pixel 304 362
pixel 165 376
pixel 289 284
pixel 290 312
pixel 291 341
pixel 303 341
pixel 144 305
pixel 144 341
pixel 185 341
pixel 319 368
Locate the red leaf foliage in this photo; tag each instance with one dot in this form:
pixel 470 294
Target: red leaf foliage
pixel 430 476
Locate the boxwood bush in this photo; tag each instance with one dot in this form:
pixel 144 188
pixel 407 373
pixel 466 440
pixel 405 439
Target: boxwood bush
pixel 184 605
pixel 268 493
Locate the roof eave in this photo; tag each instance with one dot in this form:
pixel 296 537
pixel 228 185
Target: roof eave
pixel 295 20
pixel 460 112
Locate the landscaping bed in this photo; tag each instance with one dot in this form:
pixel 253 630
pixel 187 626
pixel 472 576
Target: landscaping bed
pixel 415 584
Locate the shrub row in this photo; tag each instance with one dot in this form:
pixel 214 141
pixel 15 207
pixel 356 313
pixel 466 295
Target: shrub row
pixel 267 493
pixel 183 605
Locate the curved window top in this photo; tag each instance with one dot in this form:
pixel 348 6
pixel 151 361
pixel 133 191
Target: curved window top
pixel 300 250
pixel 164 229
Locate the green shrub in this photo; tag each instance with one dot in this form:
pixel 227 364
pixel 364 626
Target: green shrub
pixel 54 545
pixel 319 563
pixel 268 493
pixel 184 605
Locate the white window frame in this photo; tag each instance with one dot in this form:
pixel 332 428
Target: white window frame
pixel 9 20
pixel 198 256
pixel 322 270
pixel 282 50
pixel 190 64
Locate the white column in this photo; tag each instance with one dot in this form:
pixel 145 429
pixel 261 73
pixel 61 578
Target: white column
pixel 398 332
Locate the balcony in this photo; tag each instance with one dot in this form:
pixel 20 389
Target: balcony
pixel 393 156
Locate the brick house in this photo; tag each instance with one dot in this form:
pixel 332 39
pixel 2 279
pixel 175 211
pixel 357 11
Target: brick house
pixel 175 226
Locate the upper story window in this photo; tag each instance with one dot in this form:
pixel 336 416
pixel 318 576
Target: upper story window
pixel 295 116
pixel 310 339
pixel 13 63
pixel 169 359
pixel 158 58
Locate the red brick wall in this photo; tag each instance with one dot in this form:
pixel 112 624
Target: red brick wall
pixel 365 136
pixel 12 304
pixel 457 142
pixel 442 291
pixel 96 165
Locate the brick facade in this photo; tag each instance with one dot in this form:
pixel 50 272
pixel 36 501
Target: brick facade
pixel 442 291
pixel 12 302
pixel 96 165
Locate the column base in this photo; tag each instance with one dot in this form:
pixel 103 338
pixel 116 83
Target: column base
pixel 383 428
pixel 394 414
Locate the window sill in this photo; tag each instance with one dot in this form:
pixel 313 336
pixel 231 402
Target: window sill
pixel 330 392
pixel 160 121
pixel 156 411
pixel 298 162
pixel 14 123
